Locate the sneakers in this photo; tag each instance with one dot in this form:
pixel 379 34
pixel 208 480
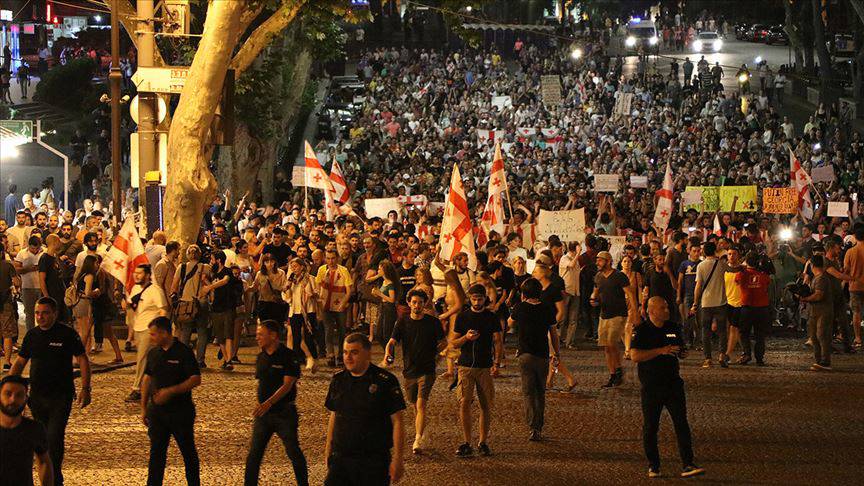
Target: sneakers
pixel 615 379
pixel 692 470
pixel 653 472
pixel 134 397
pixel 226 366
pixel 743 360
pixel 706 363
pixel 820 367
pixel 483 449
pixel 235 360
pixel 724 361
pixel 535 436
pixel 464 450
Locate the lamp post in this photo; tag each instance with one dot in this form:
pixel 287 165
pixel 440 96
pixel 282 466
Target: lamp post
pixel 114 78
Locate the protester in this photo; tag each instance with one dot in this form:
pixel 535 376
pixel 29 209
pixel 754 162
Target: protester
pixel 144 303
pixel 21 438
pixel 610 297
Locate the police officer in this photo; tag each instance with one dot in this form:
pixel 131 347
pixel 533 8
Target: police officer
pixel 277 370
pixel 166 401
pixel 656 346
pixel 365 404
pixel 50 346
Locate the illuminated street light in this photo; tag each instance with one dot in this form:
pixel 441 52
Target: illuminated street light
pixel 469 9
pixel 576 53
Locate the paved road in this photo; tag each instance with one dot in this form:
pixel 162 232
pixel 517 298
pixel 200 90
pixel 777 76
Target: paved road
pixel 774 425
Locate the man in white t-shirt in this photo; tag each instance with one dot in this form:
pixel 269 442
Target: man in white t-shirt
pixel 145 302
pixel 27 265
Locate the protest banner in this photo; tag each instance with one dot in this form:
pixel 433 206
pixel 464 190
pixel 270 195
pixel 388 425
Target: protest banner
pixel 381 206
pixel 748 200
pixel 822 174
pixel 691 198
pixel 622 105
pixel 779 200
pixel 639 182
pixel 502 102
pixel 550 89
pixel 568 225
pixel 838 209
pixel 616 247
pixel 606 182
pixel 710 196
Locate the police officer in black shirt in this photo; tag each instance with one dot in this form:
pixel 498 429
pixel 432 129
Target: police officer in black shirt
pixel 656 345
pixel 366 405
pixel 21 438
pixel 50 347
pixel 277 370
pixel 166 401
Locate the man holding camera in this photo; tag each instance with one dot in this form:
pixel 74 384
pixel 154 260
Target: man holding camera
pixel 820 324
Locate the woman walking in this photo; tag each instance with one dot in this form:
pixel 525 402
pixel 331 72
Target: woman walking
pixel 88 289
pixel 302 305
pixel 387 292
pixel 270 282
pixel 631 292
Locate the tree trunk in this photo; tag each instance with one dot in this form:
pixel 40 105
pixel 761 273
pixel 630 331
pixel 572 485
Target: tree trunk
pixel 827 93
pixel 191 186
pixel 792 31
pixel 858 64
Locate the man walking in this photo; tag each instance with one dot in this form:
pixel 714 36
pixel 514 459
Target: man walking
pixel 656 346
pixel 146 302
pixel 21 438
pixel 27 265
pixel 710 296
pixel 477 335
pixel 51 346
pixel 335 283
pixel 820 324
pixel 8 307
pixel 51 276
pixel 422 337
pixel 755 314
pixel 366 405
pixel 277 370
pixel 609 285
pixel 166 402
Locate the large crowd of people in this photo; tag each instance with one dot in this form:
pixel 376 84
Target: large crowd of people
pixel 320 293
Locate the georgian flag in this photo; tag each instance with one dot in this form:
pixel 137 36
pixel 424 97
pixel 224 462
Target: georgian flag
pixel 801 182
pixel 340 187
pixel 525 132
pixel 418 201
pixel 484 136
pixel 313 174
pixel 456 230
pixel 664 202
pixel 125 254
pixel 422 91
pixel 493 213
pixel 718 230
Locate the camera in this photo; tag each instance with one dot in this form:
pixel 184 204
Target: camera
pixel 799 289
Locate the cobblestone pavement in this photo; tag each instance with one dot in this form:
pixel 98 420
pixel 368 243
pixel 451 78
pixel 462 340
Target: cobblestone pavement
pixel 776 425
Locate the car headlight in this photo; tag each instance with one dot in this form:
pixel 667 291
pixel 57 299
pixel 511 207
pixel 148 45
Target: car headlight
pixel 630 41
pixel 718 44
pixel 653 40
pixel 697 45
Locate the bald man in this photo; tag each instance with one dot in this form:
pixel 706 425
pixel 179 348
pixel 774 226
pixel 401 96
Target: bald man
pixel 656 347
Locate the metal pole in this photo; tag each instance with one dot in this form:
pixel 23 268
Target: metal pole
pixel 65 163
pixel 114 78
pixel 147 136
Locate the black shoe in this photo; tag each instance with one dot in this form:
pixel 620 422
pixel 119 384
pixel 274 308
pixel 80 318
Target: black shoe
pixel 691 470
pixel 535 436
pixel 724 361
pixel 202 365
pixel 134 397
pixel 653 472
pixel 483 449
pixel 6 366
pixel 227 366
pixel 610 383
pixel 128 347
pixel 235 360
pixel 464 450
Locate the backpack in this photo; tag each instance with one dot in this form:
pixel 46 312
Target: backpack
pixel 185 312
pixel 71 297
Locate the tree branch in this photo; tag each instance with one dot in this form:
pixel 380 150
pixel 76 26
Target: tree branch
pixel 264 34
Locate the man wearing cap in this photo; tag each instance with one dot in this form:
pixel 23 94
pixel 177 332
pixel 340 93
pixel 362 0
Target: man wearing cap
pixel 21 438
pixel 609 285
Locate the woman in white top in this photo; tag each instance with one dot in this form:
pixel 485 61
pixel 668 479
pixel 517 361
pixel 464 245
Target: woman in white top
pixel 302 306
pixel 270 282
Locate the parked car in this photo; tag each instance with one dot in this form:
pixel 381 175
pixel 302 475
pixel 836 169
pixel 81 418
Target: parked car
pixel 777 35
pixel 756 33
pixel 741 31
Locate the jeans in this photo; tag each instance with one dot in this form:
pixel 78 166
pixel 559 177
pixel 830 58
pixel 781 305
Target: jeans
pixel 142 340
pixel 358 470
pixel 758 321
pixel 284 425
pixel 533 370
pixel 334 332
pixel 819 329
pixel 707 315
pixel 841 322
pixel 654 399
pixel 29 298
pixel 53 413
pixel 203 331
pixel 163 425
pixel 571 320
pixel 692 329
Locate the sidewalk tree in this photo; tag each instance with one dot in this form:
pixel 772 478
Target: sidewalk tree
pixel 829 87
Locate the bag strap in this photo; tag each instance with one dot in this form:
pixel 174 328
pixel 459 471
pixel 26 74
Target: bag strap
pixel 184 279
pixel 716 261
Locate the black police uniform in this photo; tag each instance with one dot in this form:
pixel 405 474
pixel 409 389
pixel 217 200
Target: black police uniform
pixel 363 431
pixel 169 367
pixel 52 385
pixel 281 419
pixel 662 386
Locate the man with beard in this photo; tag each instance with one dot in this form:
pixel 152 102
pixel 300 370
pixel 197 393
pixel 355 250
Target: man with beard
pixel 41 228
pixel 21 438
pixel 51 276
pixel 91 247
pixel 69 249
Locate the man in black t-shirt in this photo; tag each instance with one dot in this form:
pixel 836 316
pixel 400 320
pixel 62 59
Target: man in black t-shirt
pixel 365 404
pixel 222 309
pixel 166 401
pixel 21 439
pixel 422 337
pixel 276 247
pixel 609 296
pixel 477 334
pixel 277 370
pixel 656 345
pixel 50 347
pixel 51 273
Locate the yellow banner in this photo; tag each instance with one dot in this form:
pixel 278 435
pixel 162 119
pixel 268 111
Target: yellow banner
pixel 710 196
pixel 748 199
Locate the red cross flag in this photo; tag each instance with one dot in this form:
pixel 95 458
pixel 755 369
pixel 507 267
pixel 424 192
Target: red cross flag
pixel 340 187
pixel 456 234
pixel 664 201
pixel 801 182
pixel 313 174
pixel 125 254
pixel 493 213
pixel 718 230
pixel 484 136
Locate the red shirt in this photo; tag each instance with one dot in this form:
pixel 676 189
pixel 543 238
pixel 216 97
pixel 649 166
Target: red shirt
pixel 754 287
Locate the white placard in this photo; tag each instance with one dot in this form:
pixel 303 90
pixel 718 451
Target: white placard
pixel 380 207
pixel 689 198
pixel 639 182
pixel 838 209
pixel 568 225
pixel 616 247
pixel 606 182
pixel 502 102
pixel 435 208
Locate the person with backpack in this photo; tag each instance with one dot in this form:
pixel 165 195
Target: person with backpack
pixel 79 295
pixel 189 312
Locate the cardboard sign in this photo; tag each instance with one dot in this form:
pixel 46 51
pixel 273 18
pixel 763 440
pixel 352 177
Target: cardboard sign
pixel 838 209
pixel 502 102
pixel 568 225
pixel 550 89
pixel 616 247
pixel 691 198
pixel 822 174
pixel 779 200
pixel 606 182
pixel 622 105
pixel 748 199
pixel 639 182
pixel 381 206
pixel 710 195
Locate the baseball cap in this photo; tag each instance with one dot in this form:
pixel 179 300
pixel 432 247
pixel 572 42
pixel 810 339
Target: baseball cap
pixel 605 255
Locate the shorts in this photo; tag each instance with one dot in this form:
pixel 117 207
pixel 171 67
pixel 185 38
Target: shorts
pixel 856 300
pixel 610 332
pixel 8 321
pixel 479 378
pixel 222 324
pixel 419 387
pixel 733 315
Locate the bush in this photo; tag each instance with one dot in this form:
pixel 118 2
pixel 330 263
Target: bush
pixel 67 86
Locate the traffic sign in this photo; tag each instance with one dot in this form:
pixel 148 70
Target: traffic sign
pixel 161 79
pixel 16 131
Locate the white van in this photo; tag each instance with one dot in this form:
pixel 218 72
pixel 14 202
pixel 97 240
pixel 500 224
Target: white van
pixel 641 33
